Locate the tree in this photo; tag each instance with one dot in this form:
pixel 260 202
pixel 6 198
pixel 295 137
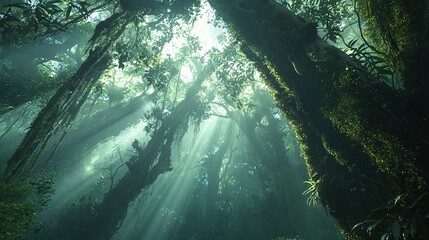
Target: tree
pixel 351 125
pixel 152 160
pixel 66 103
pixel 33 38
pixel 360 137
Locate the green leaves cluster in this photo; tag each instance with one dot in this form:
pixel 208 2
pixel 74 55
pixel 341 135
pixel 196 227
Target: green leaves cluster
pixel 329 15
pixel 399 220
pixel 336 20
pixel 19 205
pixel 77 215
pixel 234 75
pixel 34 19
pixel 159 74
pixel 376 64
pixel 16 212
pixel 312 192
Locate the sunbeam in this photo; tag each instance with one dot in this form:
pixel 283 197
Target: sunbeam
pixel 214 120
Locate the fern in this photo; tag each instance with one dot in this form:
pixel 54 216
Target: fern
pixel 312 192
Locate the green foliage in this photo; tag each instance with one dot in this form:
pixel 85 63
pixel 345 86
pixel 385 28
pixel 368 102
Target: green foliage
pixel 81 210
pixel 312 192
pixel 335 19
pixel 77 215
pixel 234 75
pixel 182 8
pixel 159 74
pixel 400 219
pixel 398 28
pixel 19 205
pixel 376 64
pixel 17 213
pixel 39 18
pixel 329 15
pixel 43 189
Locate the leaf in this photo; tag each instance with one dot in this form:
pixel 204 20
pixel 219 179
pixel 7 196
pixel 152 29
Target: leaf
pixel 371 228
pixel 396 230
pixel 406 233
pixel 54 1
pixel 41 11
pixel 362 48
pixel 397 199
pixel 83 7
pixel 377 59
pixel 358 225
pixel 69 9
pixel 384 71
pixel 351 43
pixel 52 6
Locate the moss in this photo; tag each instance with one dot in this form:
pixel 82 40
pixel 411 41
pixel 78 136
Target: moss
pixel 349 125
pixel 363 109
pixel 349 236
pixel 351 99
pixel 337 154
pixel 396 28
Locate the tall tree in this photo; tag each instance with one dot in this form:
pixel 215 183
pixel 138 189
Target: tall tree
pixel 351 125
pixel 214 162
pixel 152 160
pixel 66 103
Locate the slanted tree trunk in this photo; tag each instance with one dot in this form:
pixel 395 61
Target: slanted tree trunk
pixel 351 126
pixel 404 31
pixel 18 81
pixel 99 127
pixel 66 103
pixel 145 168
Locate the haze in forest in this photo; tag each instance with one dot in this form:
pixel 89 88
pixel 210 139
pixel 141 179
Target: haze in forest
pixel 217 119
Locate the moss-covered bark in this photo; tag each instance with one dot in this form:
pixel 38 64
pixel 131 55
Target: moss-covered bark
pixel 400 28
pixel 356 133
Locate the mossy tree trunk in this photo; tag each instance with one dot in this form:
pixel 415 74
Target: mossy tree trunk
pixel 401 28
pixel 358 137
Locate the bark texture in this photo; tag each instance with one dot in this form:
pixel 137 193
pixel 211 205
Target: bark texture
pixel 350 125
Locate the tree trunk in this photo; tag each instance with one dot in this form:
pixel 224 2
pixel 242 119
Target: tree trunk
pixel 66 103
pixel 99 127
pixel 351 126
pixel 214 164
pixel 113 209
